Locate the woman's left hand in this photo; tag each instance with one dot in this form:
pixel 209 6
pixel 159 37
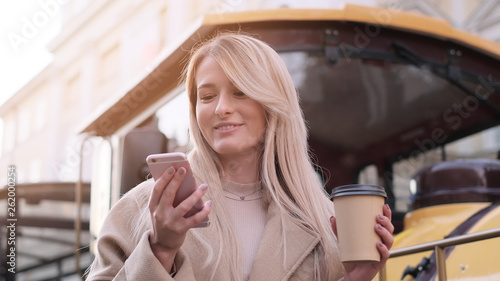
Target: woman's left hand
pixel 367 271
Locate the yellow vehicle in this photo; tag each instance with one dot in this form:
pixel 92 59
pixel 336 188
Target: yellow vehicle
pixel 384 92
pixel 456 200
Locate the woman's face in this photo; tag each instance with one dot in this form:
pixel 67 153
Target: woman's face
pixel 231 122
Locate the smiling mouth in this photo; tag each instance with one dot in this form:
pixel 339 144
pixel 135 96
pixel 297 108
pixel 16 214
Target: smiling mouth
pixel 226 127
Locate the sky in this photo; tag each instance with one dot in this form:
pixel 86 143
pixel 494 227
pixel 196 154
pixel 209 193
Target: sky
pixel 26 28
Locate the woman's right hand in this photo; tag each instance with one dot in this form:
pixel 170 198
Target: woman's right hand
pixel 169 225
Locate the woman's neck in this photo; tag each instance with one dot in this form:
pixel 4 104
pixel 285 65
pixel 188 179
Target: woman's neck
pixel 241 169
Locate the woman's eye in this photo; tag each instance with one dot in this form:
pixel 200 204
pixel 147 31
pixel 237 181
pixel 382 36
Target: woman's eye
pixel 206 97
pixel 239 94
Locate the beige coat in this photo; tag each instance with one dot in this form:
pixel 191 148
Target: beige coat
pixel 121 257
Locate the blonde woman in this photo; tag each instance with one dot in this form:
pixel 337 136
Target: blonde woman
pixel 270 216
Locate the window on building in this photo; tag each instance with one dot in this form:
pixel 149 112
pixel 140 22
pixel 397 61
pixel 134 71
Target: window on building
pixel 110 61
pixel 35 171
pixel 71 95
pixel 41 114
pixel 9 139
pixel 23 130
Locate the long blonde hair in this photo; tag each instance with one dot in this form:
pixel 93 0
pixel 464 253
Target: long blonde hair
pixel 286 171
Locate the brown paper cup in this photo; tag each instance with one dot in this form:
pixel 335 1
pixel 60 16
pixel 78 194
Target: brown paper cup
pixel 356 207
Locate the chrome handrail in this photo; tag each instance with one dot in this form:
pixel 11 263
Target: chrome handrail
pixel 439 246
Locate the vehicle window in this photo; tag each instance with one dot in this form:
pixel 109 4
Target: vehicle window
pixel 403 172
pixel 368 175
pixel 173 121
pixel 485 144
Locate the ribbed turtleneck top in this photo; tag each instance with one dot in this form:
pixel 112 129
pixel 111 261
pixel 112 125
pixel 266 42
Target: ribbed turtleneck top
pixel 248 218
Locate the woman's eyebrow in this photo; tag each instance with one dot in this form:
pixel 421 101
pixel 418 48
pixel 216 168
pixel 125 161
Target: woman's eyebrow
pixel 207 85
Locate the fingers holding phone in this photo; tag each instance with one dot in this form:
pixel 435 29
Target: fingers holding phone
pixel 159 187
pixel 175 203
pixel 171 186
pixel 181 208
pixel 173 175
pixel 191 212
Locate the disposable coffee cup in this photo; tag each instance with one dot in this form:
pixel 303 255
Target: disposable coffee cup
pixel 356 207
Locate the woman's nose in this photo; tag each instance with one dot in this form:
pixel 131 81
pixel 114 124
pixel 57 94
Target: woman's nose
pixel 224 106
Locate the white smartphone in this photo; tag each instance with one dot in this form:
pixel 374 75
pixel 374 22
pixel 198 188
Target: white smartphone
pixel 158 163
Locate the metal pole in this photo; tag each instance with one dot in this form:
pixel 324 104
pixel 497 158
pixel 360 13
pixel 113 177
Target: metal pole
pixel 59 270
pixel 441 263
pixel 78 203
pixel 382 275
pixel 463 239
pixel 78 219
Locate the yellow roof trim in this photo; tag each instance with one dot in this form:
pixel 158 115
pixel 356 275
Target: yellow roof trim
pixel 273 15
pixel 354 13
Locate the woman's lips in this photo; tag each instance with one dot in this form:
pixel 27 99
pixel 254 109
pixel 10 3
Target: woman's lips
pixel 227 127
